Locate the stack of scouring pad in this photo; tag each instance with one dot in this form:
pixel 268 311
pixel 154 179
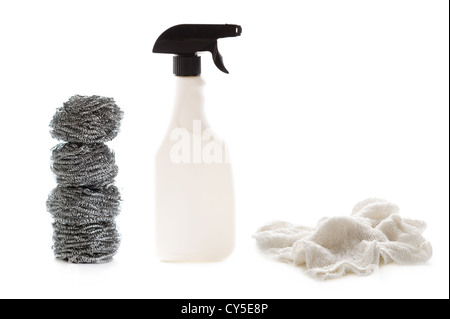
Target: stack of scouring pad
pixel 85 203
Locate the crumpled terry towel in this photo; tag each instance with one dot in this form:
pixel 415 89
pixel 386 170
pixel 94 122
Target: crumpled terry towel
pixel 374 233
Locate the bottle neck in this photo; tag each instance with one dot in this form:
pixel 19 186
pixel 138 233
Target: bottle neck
pixel 189 102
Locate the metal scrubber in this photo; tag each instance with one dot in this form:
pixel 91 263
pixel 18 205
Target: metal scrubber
pixel 85 202
pixel 87 119
pixel 88 165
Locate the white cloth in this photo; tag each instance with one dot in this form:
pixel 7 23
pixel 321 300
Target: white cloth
pixel 374 233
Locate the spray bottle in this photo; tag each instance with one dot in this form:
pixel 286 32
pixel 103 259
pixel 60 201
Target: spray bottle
pixel 195 214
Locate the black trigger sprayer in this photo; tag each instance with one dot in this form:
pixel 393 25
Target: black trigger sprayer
pixel 185 40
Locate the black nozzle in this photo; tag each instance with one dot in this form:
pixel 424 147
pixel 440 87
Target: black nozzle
pixel 185 40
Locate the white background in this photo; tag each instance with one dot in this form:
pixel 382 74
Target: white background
pixel 327 103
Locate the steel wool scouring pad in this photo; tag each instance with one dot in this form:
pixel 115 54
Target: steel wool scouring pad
pixel 85 202
pixel 87 119
pixel 83 165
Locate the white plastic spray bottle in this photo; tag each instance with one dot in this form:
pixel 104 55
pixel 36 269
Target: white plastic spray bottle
pixel 195 217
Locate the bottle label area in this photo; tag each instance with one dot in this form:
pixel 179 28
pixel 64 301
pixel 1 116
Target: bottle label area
pixel 199 146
